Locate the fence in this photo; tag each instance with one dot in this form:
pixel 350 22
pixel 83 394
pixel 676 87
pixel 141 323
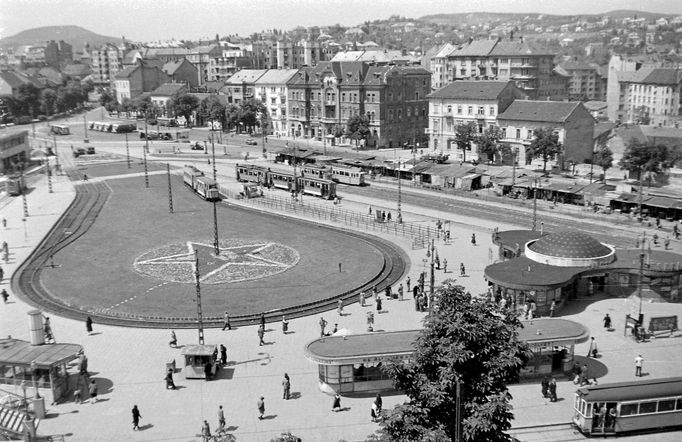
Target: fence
pixel 314 210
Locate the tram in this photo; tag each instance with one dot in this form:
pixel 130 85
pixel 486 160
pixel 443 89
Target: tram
pixel 250 173
pixel 307 183
pixel 348 175
pixel 60 129
pixel 204 186
pixel 15 185
pixel 611 409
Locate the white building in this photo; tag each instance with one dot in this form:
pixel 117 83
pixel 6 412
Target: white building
pixel 271 89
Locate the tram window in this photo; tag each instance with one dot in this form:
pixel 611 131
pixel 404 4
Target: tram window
pixel 667 405
pixel 647 407
pixel 679 403
pixel 628 409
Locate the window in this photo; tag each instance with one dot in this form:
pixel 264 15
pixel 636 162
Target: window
pixel 449 109
pixel 647 407
pixel 679 403
pixel 459 110
pixel 343 96
pixel 409 112
pixel 491 111
pixel 666 405
pixel 530 134
pixel 481 110
pixel 518 134
pixel 628 409
pixel 470 110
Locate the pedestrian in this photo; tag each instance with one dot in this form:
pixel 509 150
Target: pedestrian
pixel 261 407
pixel 2 274
pixel 552 389
pixel 445 265
pixel 206 431
pixel 437 262
pixel 208 371
pixel 92 391
pixel 370 321
pixel 583 375
pixel 5 296
pixel 47 328
pixel 462 269
pixel 173 339
pixel 362 299
pixel 400 292
pixel 552 308
pixel 262 320
pixel 335 329
pixel 261 334
pixel 639 362
pixel 607 322
pixel 374 412
pixel 221 417
pixel 378 303
pixel 379 401
pixel 375 293
pixel 286 387
pixel 88 324
pixel 545 386
pixel 336 406
pixel 82 364
pixel 576 372
pixel 136 418
pixel 340 307
pixel 226 322
pixel 323 324
pixel 169 379
pixel 408 282
pixel 473 239
pixel 339 267
pixel 666 243
pixel 4 223
pixel 592 351
pixel 223 354
pixel 77 395
pixel 285 325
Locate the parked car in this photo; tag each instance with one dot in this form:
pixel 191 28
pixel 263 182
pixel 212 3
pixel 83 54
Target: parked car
pixel 251 142
pixel 197 146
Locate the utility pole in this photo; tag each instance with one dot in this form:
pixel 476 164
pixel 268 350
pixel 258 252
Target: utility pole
pixel 535 203
pixel 145 148
pixel 513 167
pixel 24 202
pixel 639 198
pixel 49 175
pixel 170 189
pixel 640 276
pixel 127 151
pixel 85 129
pixel 216 243
pixel 433 275
pixel 400 213
pixel 56 153
pixel 200 319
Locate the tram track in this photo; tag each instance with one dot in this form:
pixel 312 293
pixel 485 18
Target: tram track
pixel 561 432
pixel 81 215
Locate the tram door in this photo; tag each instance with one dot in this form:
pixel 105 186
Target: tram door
pixel 603 418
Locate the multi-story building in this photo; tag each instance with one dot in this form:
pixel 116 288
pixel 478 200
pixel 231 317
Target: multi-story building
pixel 182 71
pixel 205 58
pixel 106 62
pixel 585 81
pixel 652 96
pixel 394 98
pixel 621 69
pixel 505 60
pixel 242 85
pixel 271 89
pixel 14 149
pixel 570 120
pixel 441 68
pixel 264 54
pixel 463 102
pixel 161 96
pixel 58 54
pixel 234 58
pixel 133 81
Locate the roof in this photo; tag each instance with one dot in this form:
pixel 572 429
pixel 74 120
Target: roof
pixel 577 66
pixel 652 75
pixel 632 390
pixel 475 48
pixel 541 111
pixel 168 89
pixel 76 69
pixel 516 47
pixel 172 66
pixel 569 244
pixel 126 72
pixel 543 332
pixel 198 350
pixel 245 76
pixel 524 274
pixel 511 238
pixel 471 90
pixel 595 105
pixel 22 353
pixel 276 76
pixel 338 350
pixel 444 51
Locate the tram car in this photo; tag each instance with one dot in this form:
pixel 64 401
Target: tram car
pixel 348 175
pixel 311 170
pixel 623 407
pixel 205 187
pixel 251 173
pixel 319 187
pixel 15 185
pixel 280 179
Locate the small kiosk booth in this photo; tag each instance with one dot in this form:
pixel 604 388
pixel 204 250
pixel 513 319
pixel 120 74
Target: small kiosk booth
pixel 196 357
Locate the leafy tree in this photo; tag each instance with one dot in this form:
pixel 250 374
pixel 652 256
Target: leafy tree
pixel 70 96
pixel 26 101
pixel 465 134
pixel 48 101
pixel 232 115
pixel 649 157
pixel 108 100
pixel 545 145
pixel 487 143
pixel 603 158
pixel 467 341
pixel 184 105
pixel 253 113
pixel 642 115
pixel 142 105
pixel 357 128
pixel 212 109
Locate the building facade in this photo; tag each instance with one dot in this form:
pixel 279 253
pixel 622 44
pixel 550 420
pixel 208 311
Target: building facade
pixel 464 102
pixel 14 149
pixel 133 81
pixel 571 121
pixel 206 59
pixel 585 81
pixel 106 61
pixel 652 97
pixel 242 85
pixel 271 89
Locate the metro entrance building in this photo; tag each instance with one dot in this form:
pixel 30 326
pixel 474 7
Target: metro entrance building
pixel 353 364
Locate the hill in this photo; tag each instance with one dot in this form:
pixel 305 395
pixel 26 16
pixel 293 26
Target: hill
pixel 73 35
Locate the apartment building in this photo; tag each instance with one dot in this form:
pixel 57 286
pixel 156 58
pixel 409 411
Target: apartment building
pixel 242 85
pixel 205 58
pixel 621 69
pixel 652 96
pixel 105 62
pixel 135 80
pixel 464 102
pixel 584 80
pixel 271 89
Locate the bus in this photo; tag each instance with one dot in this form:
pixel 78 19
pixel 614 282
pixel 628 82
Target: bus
pixel 60 129
pixel 611 409
pixel 120 128
pixel 15 185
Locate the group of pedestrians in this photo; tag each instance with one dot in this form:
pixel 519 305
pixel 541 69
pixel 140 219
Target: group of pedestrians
pixel 549 388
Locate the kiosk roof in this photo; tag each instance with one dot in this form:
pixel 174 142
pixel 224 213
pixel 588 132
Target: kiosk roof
pixel 340 349
pixel 21 353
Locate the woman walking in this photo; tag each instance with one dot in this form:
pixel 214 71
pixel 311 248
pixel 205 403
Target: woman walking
pixel 136 418
pixel 88 325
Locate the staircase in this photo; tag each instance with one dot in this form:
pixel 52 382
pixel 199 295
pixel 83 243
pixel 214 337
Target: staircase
pixel 12 420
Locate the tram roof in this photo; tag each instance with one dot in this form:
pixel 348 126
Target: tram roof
pixel 16 352
pixel 367 347
pixel 633 390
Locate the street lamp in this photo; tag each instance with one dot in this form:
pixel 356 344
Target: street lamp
pixel 34 370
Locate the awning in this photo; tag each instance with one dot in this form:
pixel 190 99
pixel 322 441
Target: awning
pixel 21 353
pixel 661 202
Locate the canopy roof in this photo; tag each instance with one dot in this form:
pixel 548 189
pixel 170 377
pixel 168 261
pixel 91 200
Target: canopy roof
pixel 16 352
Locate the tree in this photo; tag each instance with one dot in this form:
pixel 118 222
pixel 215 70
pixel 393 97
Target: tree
pixel 545 145
pixel 603 158
pixel 357 128
pixel 468 341
pixel 26 101
pixel 252 113
pixel 465 134
pixel 212 109
pixel 184 105
pixel 232 115
pixel 48 101
pixel 649 157
pixel 108 100
pixel 487 143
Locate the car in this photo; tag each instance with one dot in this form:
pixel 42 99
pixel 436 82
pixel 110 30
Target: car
pixel 197 146
pixel 78 152
pixel 90 150
pixel 251 142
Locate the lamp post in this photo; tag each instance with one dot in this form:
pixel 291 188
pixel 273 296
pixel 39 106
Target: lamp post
pixel 433 275
pixel 145 150
pixel 85 129
pixel 34 370
pixel 200 319
pixel 127 151
pixel 49 174
pixel 400 213
pixel 56 153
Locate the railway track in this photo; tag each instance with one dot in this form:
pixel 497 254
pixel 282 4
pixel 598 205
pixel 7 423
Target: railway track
pixel 80 216
pixel 564 432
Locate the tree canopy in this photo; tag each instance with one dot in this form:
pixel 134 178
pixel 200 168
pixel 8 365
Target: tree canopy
pixel 603 157
pixel 357 128
pixel 649 157
pixel 545 145
pixel 212 109
pixel 184 105
pixel 465 134
pixel 467 341
pixel 487 143
pixel 252 114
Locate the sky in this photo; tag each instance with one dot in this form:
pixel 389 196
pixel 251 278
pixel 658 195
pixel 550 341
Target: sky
pixel 146 20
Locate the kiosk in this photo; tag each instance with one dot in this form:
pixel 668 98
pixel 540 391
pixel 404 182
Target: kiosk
pixel 196 358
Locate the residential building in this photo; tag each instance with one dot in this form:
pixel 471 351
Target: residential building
pixel 76 71
pixel 441 68
pixel 205 58
pixel 584 80
pixel 621 69
pixel 161 96
pixel 463 102
pixel 652 96
pixel 377 56
pixel 233 58
pixel 505 60
pixel 264 54
pixel 571 121
pixel 133 81
pixel 242 85
pixel 294 55
pixel 182 71
pixel 10 81
pixel 106 62
pixel 271 89
pixel 14 149
pixel 394 98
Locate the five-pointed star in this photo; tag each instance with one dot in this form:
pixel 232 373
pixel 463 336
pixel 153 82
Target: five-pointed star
pixel 210 263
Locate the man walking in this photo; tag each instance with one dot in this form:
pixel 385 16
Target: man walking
pixel 226 322
pixel 286 387
pixel 5 296
pixel 221 418
pixel 136 418
pixel 639 361
pixel 261 407
pixel 92 390
pixel 206 431
pixel 323 324
pixel 261 334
